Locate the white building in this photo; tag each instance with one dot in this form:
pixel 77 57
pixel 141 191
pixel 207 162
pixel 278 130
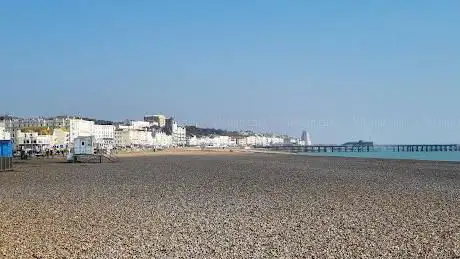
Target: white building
pixel 162 140
pixel 103 131
pixel 61 138
pixel 179 136
pixel 242 141
pixel 4 135
pixel 133 138
pixel 105 143
pixel 192 141
pixel 223 141
pixel 259 140
pixel 104 136
pixel 214 141
pixel 144 138
pixel 75 127
pixel 12 125
pixel 276 141
pixel 80 128
pixel 140 124
pixel 45 141
pixel 306 138
pixel 202 141
pixel 158 119
pixel 253 140
pixel 122 138
pixel 289 141
pixel 32 140
pixel 294 141
pixel 136 125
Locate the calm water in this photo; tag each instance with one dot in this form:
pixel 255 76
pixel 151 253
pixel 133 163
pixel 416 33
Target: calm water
pixel 434 156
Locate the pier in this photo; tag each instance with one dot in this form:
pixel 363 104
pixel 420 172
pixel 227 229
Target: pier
pixel 366 148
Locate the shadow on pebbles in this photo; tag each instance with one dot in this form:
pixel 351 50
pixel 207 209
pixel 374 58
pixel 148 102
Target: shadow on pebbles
pixel 231 206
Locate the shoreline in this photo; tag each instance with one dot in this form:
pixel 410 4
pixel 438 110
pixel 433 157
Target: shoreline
pixel 381 158
pixel 197 151
pixel 239 151
pixel 243 152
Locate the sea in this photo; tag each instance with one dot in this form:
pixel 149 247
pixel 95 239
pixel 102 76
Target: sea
pixel 429 156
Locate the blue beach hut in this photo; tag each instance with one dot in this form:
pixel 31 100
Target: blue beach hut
pixel 6 155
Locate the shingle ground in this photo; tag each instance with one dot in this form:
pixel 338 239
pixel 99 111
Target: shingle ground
pixel 214 206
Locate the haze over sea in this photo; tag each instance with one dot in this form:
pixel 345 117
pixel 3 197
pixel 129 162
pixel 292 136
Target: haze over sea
pixel 431 156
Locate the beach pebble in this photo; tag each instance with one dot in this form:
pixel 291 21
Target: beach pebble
pixel 231 205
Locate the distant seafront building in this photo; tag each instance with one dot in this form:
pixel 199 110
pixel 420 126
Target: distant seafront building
pixel 154 131
pixel 260 140
pixel 141 124
pixel 135 125
pixel 159 119
pixel 33 140
pixel 61 138
pixel 129 138
pixel 213 141
pixel 60 132
pixel 37 132
pixel 55 132
pixel 179 134
pixel 4 135
pixel 14 124
pixel 80 128
pixel 306 138
pixel 104 136
pixel 161 139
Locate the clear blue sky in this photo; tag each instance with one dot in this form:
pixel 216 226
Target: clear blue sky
pixel 343 70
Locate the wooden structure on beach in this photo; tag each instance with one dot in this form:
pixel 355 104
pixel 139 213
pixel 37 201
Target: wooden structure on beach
pixel 94 158
pixel 366 148
pixel 85 151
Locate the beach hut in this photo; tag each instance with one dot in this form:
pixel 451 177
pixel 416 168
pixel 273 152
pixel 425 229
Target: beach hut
pixel 6 155
pixel 86 149
pixel 84 145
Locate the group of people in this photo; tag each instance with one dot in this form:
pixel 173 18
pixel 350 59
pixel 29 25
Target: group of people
pixel 27 153
pixel 52 152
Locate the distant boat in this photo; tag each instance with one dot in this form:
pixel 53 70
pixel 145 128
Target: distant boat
pixel 359 143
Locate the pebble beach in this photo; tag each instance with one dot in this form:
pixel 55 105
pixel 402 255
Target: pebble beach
pixel 231 205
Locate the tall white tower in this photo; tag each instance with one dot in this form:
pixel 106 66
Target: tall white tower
pixel 306 137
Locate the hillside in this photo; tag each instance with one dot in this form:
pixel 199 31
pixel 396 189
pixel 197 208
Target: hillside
pixel 200 132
